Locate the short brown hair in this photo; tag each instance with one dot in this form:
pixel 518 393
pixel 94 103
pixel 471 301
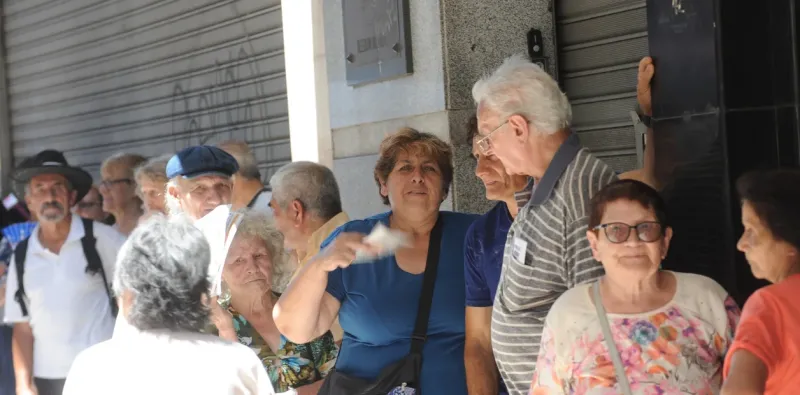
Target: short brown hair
pixel 631 190
pixel 407 139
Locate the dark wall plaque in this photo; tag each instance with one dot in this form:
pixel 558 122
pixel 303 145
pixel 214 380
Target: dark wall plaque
pixel 377 40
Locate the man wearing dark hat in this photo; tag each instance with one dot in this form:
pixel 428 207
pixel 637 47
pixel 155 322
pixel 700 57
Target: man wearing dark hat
pixel 199 180
pixel 57 298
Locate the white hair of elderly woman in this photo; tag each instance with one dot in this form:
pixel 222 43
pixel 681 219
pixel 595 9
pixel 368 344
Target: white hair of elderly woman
pixel 520 87
pixel 261 226
pixel 164 265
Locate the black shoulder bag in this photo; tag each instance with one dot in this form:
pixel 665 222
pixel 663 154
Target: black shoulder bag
pixel 405 373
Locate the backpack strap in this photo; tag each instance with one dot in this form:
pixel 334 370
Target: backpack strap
pixel 19 263
pixel 93 263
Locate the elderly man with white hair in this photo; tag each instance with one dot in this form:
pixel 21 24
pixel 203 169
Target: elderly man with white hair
pixel 524 120
pixel 162 286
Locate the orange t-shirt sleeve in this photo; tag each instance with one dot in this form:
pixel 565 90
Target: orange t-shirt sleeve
pixel 759 330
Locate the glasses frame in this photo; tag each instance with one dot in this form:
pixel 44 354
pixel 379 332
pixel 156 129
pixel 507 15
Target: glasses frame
pixel 484 144
pixel 89 205
pixel 605 226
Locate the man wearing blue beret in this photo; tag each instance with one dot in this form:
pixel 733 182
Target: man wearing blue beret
pixel 199 181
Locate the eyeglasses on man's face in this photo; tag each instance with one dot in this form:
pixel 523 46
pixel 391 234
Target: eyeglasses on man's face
pixel 89 205
pixel 485 144
pixel 107 184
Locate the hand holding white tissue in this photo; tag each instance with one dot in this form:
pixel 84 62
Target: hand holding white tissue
pixel 387 240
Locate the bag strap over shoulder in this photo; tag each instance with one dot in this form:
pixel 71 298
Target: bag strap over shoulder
pixel 619 368
pixel 94 265
pixel 420 333
pixel 20 251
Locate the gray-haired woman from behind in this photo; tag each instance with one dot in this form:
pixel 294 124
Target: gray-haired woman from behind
pixel 162 284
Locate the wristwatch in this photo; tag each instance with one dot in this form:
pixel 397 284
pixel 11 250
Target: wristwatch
pixel 646 119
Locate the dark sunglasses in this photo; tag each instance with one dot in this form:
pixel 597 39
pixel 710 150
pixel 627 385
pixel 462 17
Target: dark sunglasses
pixel 617 232
pixel 108 183
pixel 88 205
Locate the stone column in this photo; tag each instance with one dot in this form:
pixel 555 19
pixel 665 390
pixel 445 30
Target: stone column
pixel 477 35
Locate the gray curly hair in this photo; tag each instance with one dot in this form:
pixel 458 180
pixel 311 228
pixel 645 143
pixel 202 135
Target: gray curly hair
pixel 261 226
pixel 164 263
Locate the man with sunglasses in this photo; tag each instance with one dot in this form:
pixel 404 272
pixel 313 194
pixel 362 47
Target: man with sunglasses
pixel 91 207
pixel 524 120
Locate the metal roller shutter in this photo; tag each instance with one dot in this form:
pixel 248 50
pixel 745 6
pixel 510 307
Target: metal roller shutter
pixel 95 77
pixel 600 43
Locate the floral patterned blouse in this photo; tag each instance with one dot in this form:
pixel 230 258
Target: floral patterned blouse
pixel 676 349
pixel 294 365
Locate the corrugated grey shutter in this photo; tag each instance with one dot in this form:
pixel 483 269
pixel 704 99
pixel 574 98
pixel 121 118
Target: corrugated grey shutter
pixel 600 43
pixel 94 77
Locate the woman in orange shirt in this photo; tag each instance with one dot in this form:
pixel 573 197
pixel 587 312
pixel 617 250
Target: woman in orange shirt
pixel 763 357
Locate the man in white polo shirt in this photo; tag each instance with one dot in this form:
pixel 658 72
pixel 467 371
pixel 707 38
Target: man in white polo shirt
pixel 57 291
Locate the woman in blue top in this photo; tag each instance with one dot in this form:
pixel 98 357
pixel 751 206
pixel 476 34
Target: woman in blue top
pixel 377 302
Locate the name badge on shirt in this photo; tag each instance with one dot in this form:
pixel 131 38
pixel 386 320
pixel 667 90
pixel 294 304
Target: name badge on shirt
pixel 518 249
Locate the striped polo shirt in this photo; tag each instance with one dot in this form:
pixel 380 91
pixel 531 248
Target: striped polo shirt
pixel 546 253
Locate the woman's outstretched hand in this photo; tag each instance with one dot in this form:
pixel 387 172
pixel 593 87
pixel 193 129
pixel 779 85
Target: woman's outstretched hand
pixel 342 251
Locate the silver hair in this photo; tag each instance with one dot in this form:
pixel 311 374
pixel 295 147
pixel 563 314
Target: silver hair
pixel 312 184
pixel 155 169
pixel 164 264
pixel 172 203
pixel 125 161
pixel 261 226
pixel 521 87
pixel 248 166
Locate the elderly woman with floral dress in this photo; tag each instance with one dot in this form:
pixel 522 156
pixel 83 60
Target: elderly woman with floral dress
pixel 638 329
pixel 255 270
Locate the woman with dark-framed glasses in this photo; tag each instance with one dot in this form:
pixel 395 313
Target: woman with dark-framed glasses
pixel 638 329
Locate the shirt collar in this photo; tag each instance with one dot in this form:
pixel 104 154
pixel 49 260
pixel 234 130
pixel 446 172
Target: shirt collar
pixel 563 157
pixel 523 196
pixel 319 235
pixel 76 232
pixel 256 196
